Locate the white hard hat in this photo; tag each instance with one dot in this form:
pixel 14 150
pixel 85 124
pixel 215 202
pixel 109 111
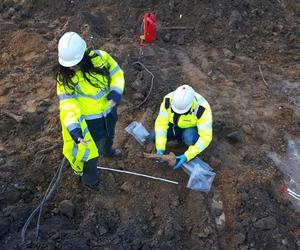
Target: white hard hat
pixel 71 49
pixel 182 99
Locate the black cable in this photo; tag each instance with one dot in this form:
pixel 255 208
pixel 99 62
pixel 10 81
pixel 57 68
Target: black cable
pixel 52 186
pixel 49 193
pixel 150 90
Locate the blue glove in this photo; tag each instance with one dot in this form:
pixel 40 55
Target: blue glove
pixel 160 152
pixel 75 134
pixel 182 159
pixel 115 96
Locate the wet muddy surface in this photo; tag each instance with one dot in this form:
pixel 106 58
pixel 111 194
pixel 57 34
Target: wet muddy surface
pixel 242 56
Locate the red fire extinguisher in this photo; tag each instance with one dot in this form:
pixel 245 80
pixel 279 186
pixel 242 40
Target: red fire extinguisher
pixel 148 29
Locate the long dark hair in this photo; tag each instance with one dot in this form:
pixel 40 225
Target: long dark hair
pixel 65 74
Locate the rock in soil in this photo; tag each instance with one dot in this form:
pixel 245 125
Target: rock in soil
pixel 227 53
pixel 266 223
pixel 234 137
pixel 235 19
pixel 126 186
pixel 167 37
pixel 67 208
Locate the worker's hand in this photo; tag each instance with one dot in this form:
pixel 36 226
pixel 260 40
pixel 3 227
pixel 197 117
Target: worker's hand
pixel 160 152
pixel 181 159
pixel 112 103
pixel 83 142
pixel 114 97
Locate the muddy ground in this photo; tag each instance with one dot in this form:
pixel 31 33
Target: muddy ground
pixel 220 57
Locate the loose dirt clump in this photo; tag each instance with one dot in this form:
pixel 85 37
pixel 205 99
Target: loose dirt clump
pixel 227 51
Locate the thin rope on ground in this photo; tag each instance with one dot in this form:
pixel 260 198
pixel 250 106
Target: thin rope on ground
pixel 52 186
pixel 150 90
pixel 137 174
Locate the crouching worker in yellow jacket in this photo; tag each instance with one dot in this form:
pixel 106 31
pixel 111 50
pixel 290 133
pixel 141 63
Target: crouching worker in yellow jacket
pixel 184 116
pixel 89 87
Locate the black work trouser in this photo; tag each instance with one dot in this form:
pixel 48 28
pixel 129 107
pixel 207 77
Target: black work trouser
pixel 90 175
pixel 102 131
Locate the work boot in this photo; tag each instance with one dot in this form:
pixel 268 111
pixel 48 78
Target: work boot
pixel 97 187
pixel 114 152
pixel 105 148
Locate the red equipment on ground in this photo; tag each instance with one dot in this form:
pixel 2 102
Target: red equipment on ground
pixel 148 30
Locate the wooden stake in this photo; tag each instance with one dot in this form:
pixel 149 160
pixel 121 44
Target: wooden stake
pixel 178 28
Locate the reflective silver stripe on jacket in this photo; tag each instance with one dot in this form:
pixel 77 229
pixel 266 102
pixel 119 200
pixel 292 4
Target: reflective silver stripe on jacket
pixel 114 71
pixel 74 96
pixel 96 116
pixel 161 133
pixel 118 90
pixel 86 155
pixel 163 114
pixel 73 126
pixel 80 119
pixel 199 144
pixel 86 130
pixel 205 126
pixel 74 152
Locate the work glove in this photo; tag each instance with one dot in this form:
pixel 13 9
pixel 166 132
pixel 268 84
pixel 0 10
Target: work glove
pixel 160 152
pixel 115 97
pixel 181 159
pixel 76 134
pixel 82 141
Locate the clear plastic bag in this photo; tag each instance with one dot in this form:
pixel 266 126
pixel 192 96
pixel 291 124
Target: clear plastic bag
pixel 138 131
pixel 289 165
pixel 201 175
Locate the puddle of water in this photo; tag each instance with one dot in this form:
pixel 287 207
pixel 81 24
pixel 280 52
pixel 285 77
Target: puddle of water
pixel 290 167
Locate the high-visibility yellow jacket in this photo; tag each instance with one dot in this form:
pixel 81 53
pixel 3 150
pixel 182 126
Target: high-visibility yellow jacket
pixel 87 103
pixel 200 116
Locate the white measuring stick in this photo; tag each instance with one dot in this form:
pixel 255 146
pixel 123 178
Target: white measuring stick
pixel 294 196
pixel 143 175
pixel 294 193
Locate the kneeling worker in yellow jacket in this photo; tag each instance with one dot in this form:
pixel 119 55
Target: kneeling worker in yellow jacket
pixel 184 116
pixel 90 84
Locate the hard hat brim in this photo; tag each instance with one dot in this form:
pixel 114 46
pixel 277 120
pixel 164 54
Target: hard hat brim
pixel 180 111
pixel 69 63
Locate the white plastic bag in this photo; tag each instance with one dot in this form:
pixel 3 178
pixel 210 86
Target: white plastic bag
pixel 138 131
pixel 201 175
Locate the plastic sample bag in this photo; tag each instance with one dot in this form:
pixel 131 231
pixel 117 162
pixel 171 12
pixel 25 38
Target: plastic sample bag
pixel 289 166
pixel 138 131
pixel 201 175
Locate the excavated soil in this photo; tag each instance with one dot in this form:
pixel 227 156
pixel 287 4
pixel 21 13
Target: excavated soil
pixel 238 54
